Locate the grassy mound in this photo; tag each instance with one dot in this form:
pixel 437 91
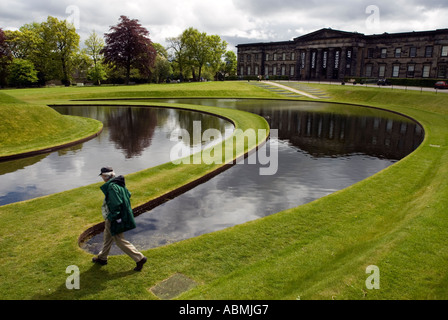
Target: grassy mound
pixel 26 127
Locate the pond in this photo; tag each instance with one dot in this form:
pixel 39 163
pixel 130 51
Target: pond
pixel 133 139
pixel 322 148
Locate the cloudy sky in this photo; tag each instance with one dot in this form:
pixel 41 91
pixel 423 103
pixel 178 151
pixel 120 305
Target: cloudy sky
pixel 236 21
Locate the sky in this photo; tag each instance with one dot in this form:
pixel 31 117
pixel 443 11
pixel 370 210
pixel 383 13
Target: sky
pixel 235 21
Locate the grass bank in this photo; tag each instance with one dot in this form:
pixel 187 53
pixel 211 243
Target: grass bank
pixel 30 127
pixel 396 220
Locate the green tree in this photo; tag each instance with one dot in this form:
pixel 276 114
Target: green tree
pixel 196 50
pixel 94 45
pixel 22 73
pixel 81 63
pixel 30 43
pixel 229 67
pixel 216 50
pixel 64 43
pixel 23 42
pixel 5 57
pixel 50 46
pixel 97 74
pixel 178 54
pixel 162 67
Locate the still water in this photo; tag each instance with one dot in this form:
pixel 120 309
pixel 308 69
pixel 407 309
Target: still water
pixel 322 148
pixel 133 139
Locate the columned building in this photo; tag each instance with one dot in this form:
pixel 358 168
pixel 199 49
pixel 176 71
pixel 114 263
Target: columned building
pixel 329 54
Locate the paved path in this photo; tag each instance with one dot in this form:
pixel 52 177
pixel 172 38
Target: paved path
pixel 299 89
pixel 291 89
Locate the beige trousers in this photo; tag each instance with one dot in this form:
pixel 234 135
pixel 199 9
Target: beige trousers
pixel 123 244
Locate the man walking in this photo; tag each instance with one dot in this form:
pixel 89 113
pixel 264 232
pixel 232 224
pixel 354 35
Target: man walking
pixel 119 218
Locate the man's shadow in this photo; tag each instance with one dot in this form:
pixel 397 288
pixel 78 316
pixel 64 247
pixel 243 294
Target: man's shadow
pixel 92 282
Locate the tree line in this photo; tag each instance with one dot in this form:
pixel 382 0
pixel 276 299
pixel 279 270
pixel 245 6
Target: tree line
pixel 49 52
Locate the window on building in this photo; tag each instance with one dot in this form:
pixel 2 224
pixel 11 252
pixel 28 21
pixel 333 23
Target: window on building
pixel 293 56
pixel 241 71
pixel 274 70
pixel 248 57
pixel 382 71
pixel 445 51
pixel 428 52
pixel 257 71
pixel 383 53
pixel 426 71
pixel 284 57
pixel 275 57
pixel 302 60
pixel 413 52
pixel 369 69
pixel 411 71
pixel 266 71
pixel 267 56
pixel 397 52
pixel 441 71
pixel 370 53
pixel 396 71
pixel 249 71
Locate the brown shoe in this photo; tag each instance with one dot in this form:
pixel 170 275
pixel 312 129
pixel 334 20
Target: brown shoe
pixel 140 264
pixel 99 261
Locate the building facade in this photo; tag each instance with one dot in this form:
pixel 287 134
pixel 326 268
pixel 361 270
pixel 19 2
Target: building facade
pixel 329 54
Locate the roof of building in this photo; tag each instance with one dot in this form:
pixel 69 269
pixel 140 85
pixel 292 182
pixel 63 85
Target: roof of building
pixel 328 33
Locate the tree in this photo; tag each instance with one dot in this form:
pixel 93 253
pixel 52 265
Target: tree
pixel 162 67
pixel 50 46
pixel 5 57
pixel 81 63
pixel 197 53
pixel 94 45
pixel 22 73
pixel 128 46
pixel 178 54
pixel 230 64
pixel 30 43
pixel 195 50
pixel 216 50
pixel 64 42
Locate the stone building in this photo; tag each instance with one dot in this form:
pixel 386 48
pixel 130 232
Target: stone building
pixel 329 54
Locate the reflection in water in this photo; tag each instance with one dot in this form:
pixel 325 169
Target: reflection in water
pixel 133 139
pixel 132 130
pixel 321 149
pixel 335 135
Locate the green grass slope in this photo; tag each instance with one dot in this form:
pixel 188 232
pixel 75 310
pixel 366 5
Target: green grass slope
pixel 396 220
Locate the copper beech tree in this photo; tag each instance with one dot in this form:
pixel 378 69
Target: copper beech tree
pixel 128 46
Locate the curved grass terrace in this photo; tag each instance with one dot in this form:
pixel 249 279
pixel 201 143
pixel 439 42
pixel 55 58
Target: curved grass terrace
pixel 396 220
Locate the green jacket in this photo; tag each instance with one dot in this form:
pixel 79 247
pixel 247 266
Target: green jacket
pixel 119 205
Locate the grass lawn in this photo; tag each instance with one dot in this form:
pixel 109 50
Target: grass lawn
pixel 396 220
pixel 30 127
